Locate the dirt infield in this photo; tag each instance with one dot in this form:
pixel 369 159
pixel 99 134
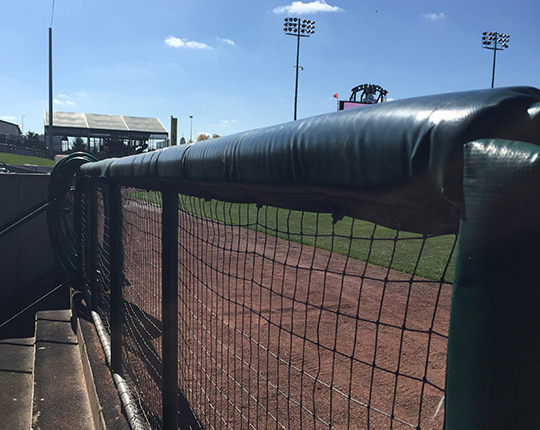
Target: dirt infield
pixel 273 334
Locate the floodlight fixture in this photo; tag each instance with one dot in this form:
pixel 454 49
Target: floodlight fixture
pixel 299 28
pixel 496 42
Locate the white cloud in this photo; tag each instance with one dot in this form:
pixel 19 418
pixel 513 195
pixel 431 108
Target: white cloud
pixel 227 122
pixel 299 8
pixel 433 17
pixel 63 102
pixel 175 42
pixel 228 41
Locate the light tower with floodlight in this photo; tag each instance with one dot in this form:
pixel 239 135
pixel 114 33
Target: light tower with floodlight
pixel 299 28
pixel 496 42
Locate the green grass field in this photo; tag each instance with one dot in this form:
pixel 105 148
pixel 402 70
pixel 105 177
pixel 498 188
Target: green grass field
pixel 391 248
pixel 25 159
pixel 399 250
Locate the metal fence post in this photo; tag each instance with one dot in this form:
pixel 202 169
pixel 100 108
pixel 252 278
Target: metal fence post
pixel 169 243
pixel 92 250
pixel 117 275
pixel 78 225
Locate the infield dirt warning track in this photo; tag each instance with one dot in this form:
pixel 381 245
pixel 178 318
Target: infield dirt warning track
pixel 275 334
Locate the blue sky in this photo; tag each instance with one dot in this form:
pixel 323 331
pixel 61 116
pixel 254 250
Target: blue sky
pixel 230 65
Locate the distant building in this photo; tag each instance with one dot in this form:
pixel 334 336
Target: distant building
pixel 9 132
pixel 108 135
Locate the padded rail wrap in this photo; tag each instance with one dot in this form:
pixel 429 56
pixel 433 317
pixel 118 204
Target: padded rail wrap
pixel 493 373
pixel 399 163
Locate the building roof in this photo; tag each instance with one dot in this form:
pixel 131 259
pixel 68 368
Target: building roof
pixel 9 128
pixel 96 125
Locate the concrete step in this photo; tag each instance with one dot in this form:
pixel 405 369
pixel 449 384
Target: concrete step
pixel 60 399
pixel 16 383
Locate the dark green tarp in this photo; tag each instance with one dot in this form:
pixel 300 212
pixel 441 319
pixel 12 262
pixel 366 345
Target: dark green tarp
pixel 398 163
pixel 493 371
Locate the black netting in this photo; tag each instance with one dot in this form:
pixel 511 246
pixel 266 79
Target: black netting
pixel 281 328
pixel 281 322
pixel 141 293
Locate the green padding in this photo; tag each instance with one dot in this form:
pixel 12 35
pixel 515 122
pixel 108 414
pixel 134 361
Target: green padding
pixel 493 375
pixel 397 163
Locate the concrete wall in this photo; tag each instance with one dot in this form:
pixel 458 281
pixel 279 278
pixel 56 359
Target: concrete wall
pixel 25 254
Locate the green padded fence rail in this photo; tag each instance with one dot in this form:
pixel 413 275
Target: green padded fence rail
pixel 397 163
pixel 493 371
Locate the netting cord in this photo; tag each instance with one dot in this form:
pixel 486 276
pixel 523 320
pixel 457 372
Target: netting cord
pixel 62 234
pixel 134 418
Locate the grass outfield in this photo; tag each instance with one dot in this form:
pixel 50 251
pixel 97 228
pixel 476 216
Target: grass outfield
pixel 398 250
pixel 391 248
pixel 25 159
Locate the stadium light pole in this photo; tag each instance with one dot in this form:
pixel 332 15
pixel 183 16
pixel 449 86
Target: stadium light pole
pixel 496 42
pixel 299 28
pixel 51 125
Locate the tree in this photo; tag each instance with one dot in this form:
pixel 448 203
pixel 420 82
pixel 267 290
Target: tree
pixel 78 145
pixel 31 140
pixel 206 136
